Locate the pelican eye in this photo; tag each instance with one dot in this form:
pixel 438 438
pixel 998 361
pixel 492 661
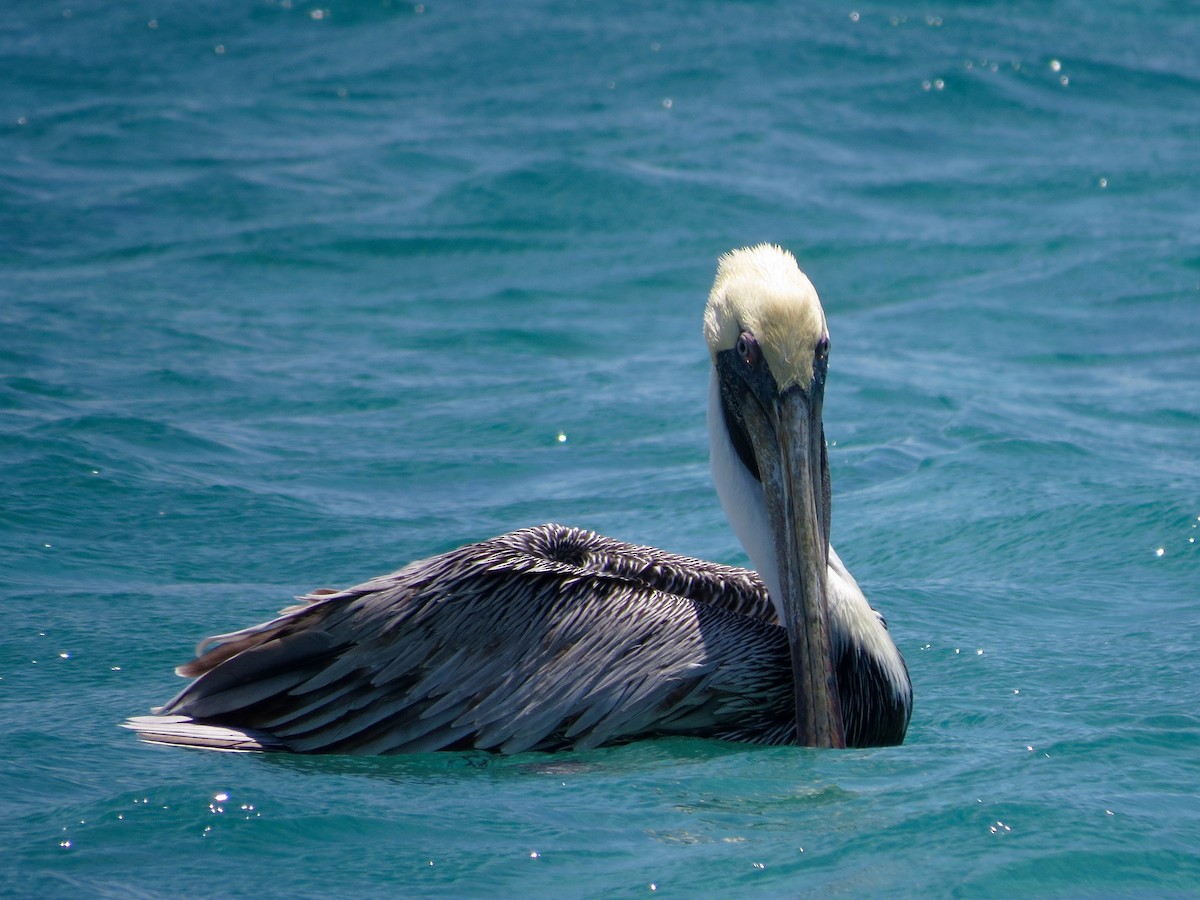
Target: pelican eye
pixel 748 349
pixel 823 347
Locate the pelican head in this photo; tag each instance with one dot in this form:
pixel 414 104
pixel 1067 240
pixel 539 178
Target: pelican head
pixel 769 344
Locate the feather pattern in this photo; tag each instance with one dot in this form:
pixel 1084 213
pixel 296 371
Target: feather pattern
pixel 545 638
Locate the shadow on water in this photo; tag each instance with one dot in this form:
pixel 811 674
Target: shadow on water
pixel 648 757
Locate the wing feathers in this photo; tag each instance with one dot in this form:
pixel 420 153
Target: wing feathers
pixel 181 731
pixel 550 637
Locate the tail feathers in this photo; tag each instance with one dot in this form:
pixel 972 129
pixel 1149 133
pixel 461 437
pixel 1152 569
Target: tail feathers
pixel 182 731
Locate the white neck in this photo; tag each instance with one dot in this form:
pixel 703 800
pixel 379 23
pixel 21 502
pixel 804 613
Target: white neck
pixel 742 498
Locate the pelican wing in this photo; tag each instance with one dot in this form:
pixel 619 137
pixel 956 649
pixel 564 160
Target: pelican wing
pixel 545 638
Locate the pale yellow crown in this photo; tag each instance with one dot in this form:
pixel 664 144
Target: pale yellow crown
pixel 762 290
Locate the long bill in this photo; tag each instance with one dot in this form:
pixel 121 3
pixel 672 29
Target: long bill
pixel 789 446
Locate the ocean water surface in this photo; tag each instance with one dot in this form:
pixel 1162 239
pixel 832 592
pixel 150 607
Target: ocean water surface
pixel 293 293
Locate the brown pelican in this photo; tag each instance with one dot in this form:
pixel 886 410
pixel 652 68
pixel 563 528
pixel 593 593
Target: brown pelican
pixel 553 637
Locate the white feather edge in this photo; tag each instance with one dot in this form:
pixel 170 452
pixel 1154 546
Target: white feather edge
pixel 181 731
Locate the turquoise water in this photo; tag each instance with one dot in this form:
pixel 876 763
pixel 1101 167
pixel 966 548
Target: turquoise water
pixel 291 294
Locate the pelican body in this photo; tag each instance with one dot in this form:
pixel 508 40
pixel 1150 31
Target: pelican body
pixel 551 637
